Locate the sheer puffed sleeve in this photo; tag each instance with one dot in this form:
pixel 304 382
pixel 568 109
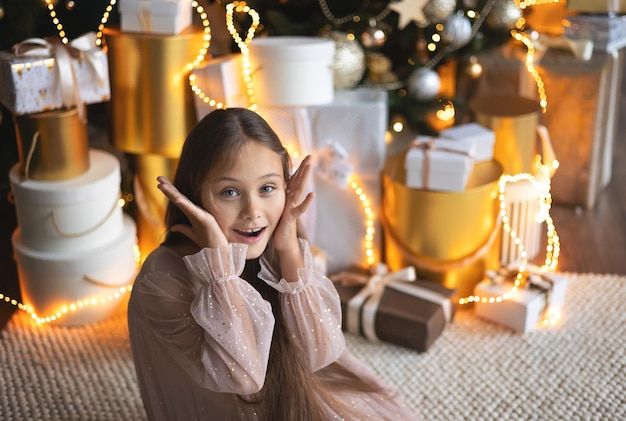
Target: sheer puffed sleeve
pixel 237 322
pixel 216 325
pixel 312 310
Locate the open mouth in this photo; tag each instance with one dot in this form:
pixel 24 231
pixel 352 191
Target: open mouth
pixel 251 233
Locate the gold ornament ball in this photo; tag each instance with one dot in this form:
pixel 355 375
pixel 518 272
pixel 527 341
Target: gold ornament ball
pixel 437 11
pixel 350 62
pixel 1 12
pixel 473 68
pixel 373 37
pixel 503 15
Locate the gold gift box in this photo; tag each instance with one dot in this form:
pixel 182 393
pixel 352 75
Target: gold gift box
pixel 52 145
pixel 514 120
pixel 450 237
pixel 152 107
pixel 149 201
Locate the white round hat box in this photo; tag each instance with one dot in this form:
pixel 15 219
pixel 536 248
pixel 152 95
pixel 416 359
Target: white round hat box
pixel 292 70
pixel 80 213
pixel 60 283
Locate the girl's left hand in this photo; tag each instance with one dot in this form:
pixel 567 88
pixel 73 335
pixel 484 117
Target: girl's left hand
pixel 285 235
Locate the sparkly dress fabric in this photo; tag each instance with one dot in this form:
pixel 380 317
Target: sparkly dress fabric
pixel 201 336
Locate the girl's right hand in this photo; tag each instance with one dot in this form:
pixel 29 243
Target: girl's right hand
pixel 204 229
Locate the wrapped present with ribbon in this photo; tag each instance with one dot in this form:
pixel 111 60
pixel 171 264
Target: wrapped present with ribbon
pixel 475 134
pixel 219 83
pixel 45 74
pixel 606 33
pixel 394 307
pixel 439 164
pixel 539 298
pixel 168 17
pixel 347 141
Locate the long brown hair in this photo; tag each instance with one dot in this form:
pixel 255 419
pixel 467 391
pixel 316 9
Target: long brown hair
pixel 291 391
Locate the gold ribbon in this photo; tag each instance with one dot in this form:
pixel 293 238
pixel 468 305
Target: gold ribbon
pixel 362 308
pixel 97 225
pixel 63 55
pixel 427 145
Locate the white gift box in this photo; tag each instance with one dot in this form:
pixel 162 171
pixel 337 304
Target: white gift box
pixel 50 281
pixel 292 70
pixel 79 213
pixel 46 78
pixel 220 80
pixel 474 133
pixel 357 121
pixel 444 166
pixel 169 17
pixel 608 32
pixel 525 308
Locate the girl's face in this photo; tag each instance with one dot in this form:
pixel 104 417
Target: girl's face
pixel 248 199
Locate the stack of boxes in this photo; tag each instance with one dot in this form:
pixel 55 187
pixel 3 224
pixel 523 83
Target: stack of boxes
pixel 73 246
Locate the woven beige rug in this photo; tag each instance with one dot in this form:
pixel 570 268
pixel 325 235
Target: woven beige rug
pixel 475 371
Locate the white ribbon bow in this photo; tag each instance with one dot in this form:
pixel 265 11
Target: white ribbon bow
pixel 63 55
pixel 333 164
pixel 368 298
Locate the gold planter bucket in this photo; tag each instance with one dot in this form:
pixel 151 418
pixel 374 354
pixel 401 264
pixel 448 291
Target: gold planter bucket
pixel 52 145
pixel 451 238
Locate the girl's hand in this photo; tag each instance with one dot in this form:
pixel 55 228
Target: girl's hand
pixel 204 229
pixel 285 235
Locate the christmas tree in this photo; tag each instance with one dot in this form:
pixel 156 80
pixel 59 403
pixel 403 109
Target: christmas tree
pixel 406 45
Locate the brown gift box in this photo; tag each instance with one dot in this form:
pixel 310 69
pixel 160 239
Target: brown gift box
pixel 401 318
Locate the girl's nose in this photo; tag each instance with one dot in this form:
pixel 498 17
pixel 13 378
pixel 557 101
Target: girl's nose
pixel 251 209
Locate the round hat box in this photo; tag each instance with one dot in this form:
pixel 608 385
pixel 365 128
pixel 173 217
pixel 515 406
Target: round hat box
pixel 292 70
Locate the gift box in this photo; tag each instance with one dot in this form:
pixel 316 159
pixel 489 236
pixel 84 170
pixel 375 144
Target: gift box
pixel 292 70
pixel 439 164
pixel 584 141
pixel 450 238
pixel 597 6
pixel 152 108
pixel 41 75
pixel 608 32
pixel 80 213
pixel 524 307
pixel 51 281
pixel 473 133
pixel 220 80
pixel 342 219
pixel 52 145
pixel 169 17
pixel 394 307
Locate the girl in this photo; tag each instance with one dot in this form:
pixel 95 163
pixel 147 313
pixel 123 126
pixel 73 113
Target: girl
pixel 228 320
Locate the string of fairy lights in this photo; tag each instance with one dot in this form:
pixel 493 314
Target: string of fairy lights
pixel 541 182
pixel 231 8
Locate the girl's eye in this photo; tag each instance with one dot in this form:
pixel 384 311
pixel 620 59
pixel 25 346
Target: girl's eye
pixel 229 193
pixel 267 189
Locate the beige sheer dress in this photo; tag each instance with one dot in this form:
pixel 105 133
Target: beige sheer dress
pixel 201 336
